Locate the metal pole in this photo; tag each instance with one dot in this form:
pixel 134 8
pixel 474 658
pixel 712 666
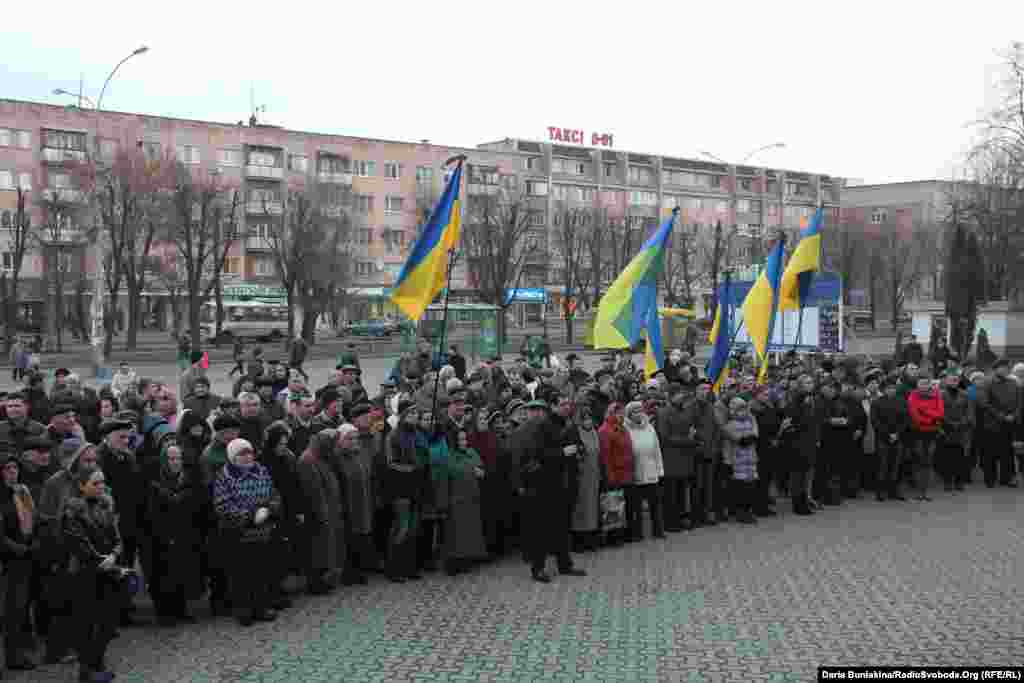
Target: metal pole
pixel 444 331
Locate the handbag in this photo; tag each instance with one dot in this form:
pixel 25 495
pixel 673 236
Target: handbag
pixel 613 510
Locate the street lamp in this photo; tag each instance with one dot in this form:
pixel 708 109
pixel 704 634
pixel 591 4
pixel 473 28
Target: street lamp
pixel 137 51
pixel 80 96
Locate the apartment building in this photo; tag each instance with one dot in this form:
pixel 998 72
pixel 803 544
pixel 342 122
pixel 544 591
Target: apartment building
pixel 387 186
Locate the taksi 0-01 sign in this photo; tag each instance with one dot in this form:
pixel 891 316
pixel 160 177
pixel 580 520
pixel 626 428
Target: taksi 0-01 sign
pixel 579 137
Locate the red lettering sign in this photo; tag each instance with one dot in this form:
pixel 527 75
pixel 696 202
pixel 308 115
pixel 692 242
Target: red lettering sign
pixel 579 137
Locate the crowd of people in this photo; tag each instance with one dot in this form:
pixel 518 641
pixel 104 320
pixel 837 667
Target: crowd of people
pixel 229 499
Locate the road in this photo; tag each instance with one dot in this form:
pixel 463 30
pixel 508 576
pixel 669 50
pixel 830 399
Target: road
pixel 868 583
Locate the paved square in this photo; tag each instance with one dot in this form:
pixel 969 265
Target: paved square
pixel 867 583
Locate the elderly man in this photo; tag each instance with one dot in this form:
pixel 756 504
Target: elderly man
pixel 544 464
pixel 126 481
pixel 202 402
pixel 252 421
pixel 301 406
pixel 17 428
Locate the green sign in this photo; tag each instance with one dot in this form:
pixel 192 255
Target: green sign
pixel 253 291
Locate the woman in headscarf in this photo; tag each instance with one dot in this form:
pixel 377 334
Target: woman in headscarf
pixel 247 507
pixel 617 459
pixel 648 469
pixel 432 445
pixel 18 545
pixel 494 501
pixel 356 482
pixel 739 452
pixel 90 531
pixel 175 506
pixel 403 483
pixel 464 533
pixel 194 435
pixel 283 465
pixel 586 518
pixel 323 521
pixel 49 594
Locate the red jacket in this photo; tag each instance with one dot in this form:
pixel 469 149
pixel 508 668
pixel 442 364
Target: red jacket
pixel 926 411
pixel 616 453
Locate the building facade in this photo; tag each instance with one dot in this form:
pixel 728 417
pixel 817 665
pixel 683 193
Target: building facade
pixel 387 186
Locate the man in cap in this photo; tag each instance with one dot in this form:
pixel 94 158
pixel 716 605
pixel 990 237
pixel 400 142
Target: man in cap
pixel 544 463
pixel 301 406
pixel 125 479
pixel 350 379
pixel 202 402
pixel 330 413
pixel 188 378
pixel 999 413
pixel 37 463
pixel 17 427
pixel 676 425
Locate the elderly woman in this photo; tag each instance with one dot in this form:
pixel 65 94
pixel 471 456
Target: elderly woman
pixel 404 481
pixel 94 543
pixel 18 545
pixel 324 541
pixel 356 481
pixel 648 469
pixel 247 506
pixel 174 509
pixel 463 532
pixel 617 460
pixel 586 517
pixel 739 451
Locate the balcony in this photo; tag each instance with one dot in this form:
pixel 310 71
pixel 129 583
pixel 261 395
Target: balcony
pixel 480 188
pixel 264 207
pixel 57 155
pixel 63 195
pixel 333 211
pixel 264 172
pixel 258 243
pixel 63 236
pixel 338 177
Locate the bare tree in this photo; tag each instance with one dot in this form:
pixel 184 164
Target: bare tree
pixel 570 253
pixel 845 253
pixel 131 196
pixel 323 284
pixel 23 237
pixel 682 270
pixel 496 247
pixel 203 227
pixel 906 257
pixel 61 238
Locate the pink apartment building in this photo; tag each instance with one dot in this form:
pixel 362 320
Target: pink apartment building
pixel 387 185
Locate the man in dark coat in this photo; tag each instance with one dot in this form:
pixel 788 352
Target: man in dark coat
pixel 543 491
pixel 458 362
pixel 802 435
pixel 891 421
pixel 128 486
pixel 999 412
pixel 18 427
pixel 202 402
pixel 253 421
pixel 676 425
pixel 913 352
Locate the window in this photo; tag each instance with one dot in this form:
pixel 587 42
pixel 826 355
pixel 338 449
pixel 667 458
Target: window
pixel 531 163
pixel 670 202
pixel 747 184
pixel 25 181
pixel 8 260
pixel 60 181
pixel 364 235
pixel 638 222
pixel 392 170
pixel 232 265
pixel 6 137
pixel 23 139
pixel 569 166
pixel 364 268
pixel 393 204
pixel 6 220
pixel 743 206
pixel 260 158
pixel 609 169
pixel 364 203
pixel 424 175
pixel 332 164
pixel 263 194
pixel 263 266
pixel 365 169
pixel 229 157
pixel 298 163
pixel 188 154
pixel 6 180
pixel 536 218
pixel 150 150
pixel 536 188
pixel 59 139
pixel 878 216
pixel 773 187
pixel 640 174
pixel 640 198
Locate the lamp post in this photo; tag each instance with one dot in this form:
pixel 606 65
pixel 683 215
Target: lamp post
pixel 80 96
pixel 100 247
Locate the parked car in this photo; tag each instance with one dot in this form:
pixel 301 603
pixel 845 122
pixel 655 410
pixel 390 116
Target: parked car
pixel 369 328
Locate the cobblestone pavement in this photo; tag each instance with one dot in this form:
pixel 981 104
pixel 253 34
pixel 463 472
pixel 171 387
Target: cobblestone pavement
pixel 867 583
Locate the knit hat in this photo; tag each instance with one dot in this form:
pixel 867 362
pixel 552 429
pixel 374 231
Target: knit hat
pixel 453 385
pixel 236 448
pixel 346 428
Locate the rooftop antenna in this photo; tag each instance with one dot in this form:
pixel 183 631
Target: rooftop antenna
pixel 255 111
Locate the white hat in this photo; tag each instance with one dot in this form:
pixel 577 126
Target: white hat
pixel 347 428
pixel 236 448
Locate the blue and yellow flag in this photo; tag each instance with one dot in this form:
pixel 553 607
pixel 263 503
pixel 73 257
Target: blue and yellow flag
pixel 631 304
pixel 423 275
pixel 803 264
pixel 762 301
pixel 721 338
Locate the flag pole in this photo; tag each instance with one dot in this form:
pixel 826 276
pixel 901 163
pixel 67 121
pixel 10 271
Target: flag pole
pixel 775 310
pixel 461 158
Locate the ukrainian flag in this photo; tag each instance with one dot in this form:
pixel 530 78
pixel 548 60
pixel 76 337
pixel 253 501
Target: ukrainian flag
pixel 760 305
pixel 803 264
pixel 718 367
pixel 423 275
pixel 630 306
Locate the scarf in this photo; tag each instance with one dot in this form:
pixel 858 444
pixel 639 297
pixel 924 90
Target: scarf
pixel 25 508
pixel 462 463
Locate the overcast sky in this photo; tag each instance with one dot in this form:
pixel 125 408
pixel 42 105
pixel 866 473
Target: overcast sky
pixel 876 91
